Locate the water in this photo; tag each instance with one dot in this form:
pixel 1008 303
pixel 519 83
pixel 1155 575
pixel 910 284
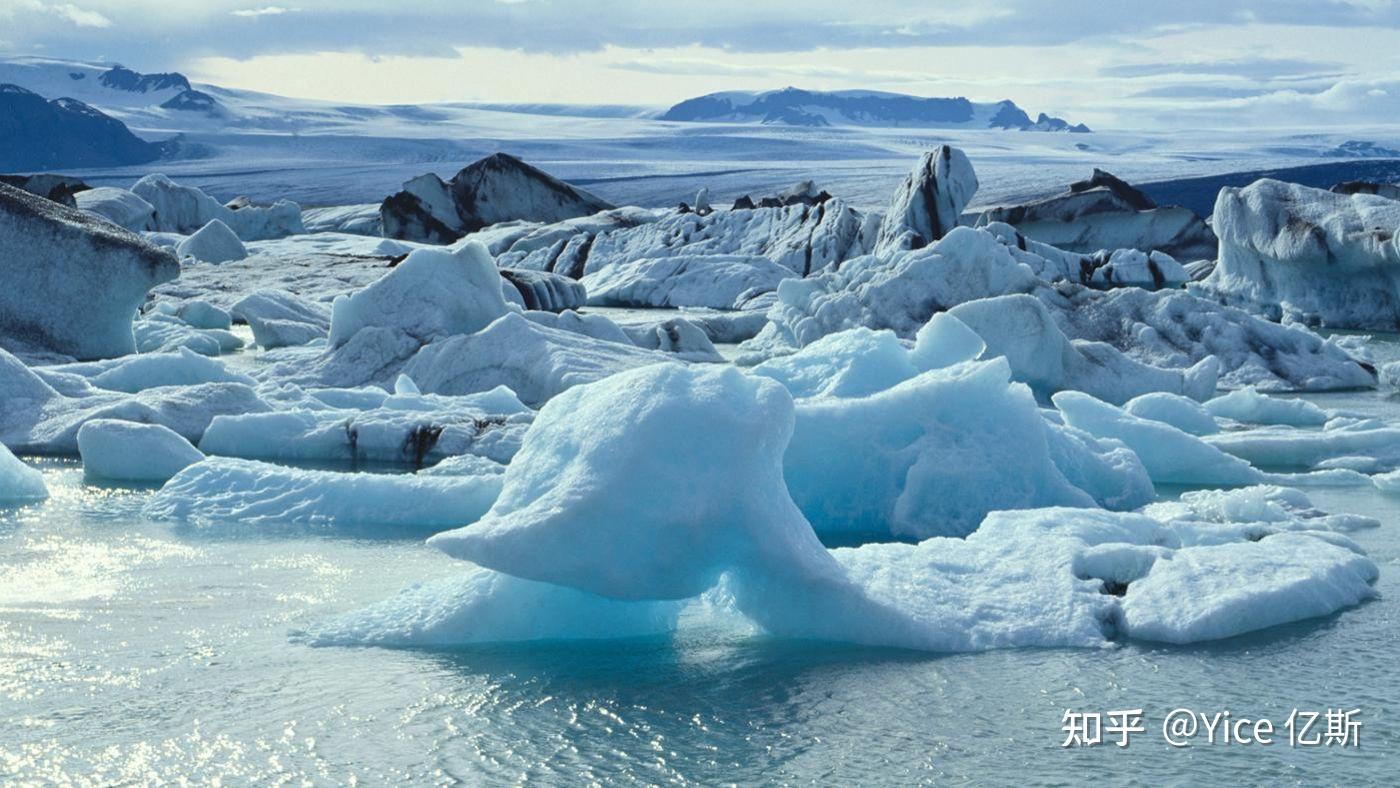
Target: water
pixel 135 652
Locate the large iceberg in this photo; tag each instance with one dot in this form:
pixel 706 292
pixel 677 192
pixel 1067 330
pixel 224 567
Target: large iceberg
pixel 1309 255
pixel 72 282
pixel 665 483
pixel 1104 212
pixel 186 209
pixel 498 188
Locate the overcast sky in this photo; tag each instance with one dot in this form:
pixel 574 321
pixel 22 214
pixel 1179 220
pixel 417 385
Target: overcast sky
pixel 1127 64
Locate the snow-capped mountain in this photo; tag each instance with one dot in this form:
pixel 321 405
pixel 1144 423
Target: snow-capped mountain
pixel 107 86
pixel 38 133
pixel 795 107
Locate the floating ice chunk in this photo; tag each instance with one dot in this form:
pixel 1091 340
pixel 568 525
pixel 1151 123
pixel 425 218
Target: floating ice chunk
pixel 212 243
pixel 270 333
pixel 481 606
pixel 184 209
pixel 565 516
pixel 1259 510
pixel 161 333
pixel 202 314
pixel 1021 328
pixel 1185 414
pixel 71 282
pixel 1309 255
pixel 851 363
pixel 19 482
pixel 465 465
pixel 271 304
pixel 151 370
pixel 226 490
pixel 431 294
pixel 1218 591
pixel 385 434
pixel 944 341
pixel 117 206
pixel 534 361
pixel 1170 455
pixel 133 452
pixel 1107 470
pixel 1290 447
pixel 931 456
pixel 1248 405
pixel 718 281
pixel 1132 268
pixel 405 385
pixel 676 335
pixel 926 206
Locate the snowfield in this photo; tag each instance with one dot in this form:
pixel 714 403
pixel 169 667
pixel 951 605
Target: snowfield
pixel 616 415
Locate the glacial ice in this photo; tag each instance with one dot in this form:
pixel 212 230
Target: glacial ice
pixel 1185 414
pixel 186 209
pixel 72 282
pixel 928 204
pixel 19 483
pixel 130 451
pixel 1170 455
pixel 151 370
pixel 212 243
pixel 715 515
pixel 1021 329
pixel 431 294
pixel 1308 255
pixel 117 206
pixel 717 281
pixel 1248 405
pixel 481 606
pixel 248 492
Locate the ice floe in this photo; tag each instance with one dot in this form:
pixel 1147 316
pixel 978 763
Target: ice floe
pixel 133 452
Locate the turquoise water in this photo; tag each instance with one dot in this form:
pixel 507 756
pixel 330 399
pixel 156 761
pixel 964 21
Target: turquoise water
pixel 134 651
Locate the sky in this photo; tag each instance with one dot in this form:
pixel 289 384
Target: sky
pixel 1129 64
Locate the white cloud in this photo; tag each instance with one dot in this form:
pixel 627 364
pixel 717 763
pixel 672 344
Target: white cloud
pixel 267 10
pixel 81 17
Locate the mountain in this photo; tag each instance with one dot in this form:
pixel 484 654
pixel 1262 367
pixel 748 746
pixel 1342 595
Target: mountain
pixel 795 107
pixel 116 89
pixel 62 133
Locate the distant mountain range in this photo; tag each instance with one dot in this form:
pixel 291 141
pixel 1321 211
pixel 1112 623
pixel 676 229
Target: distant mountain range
pixel 812 108
pixel 38 133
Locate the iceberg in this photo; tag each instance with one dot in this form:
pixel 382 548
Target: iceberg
pixel 1185 414
pixel 129 451
pixel 118 206
pixel 222 490
pixel 1248 405
pixel 19 483
pixel 929 203
pixel 186 209
pixel 212 243
pixel 1307 255
pixel 72 282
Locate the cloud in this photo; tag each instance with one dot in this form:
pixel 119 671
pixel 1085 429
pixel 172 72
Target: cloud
pixel 1248 68
pixel 81 17
pixel 267 10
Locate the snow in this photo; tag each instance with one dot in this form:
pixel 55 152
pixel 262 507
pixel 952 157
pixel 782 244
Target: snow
pixel 1309 255
pixel 72 282
pixel 1169 455
pixel 717 281
pixel 928 204
pixel 212 243
pixel 431 294
pixel 151 370
pixel 1248 405
pixel 1021 328
pixel 19 483
pixel 130 451
pixel 1185 414
pixel 225 491
pixel 118 206
pixel 185 209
